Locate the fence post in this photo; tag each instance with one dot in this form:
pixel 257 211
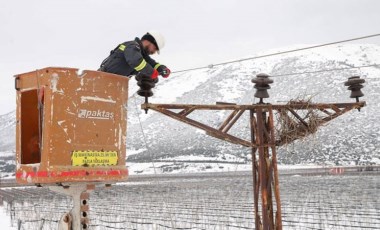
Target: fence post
pixel 42 224
pixel 19 223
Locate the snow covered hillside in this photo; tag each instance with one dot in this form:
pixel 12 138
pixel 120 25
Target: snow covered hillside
pixel 7 131
pixel 352 139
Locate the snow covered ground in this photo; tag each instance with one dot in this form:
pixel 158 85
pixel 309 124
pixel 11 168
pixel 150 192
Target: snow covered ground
pixel 5 221
pixel 170 167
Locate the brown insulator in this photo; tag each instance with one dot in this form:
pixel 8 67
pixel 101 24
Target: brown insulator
pixel 355 85
pixel 262 82
pixel 146 84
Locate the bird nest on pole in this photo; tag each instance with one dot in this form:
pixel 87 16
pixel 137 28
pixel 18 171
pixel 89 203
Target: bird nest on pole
pixel 292 125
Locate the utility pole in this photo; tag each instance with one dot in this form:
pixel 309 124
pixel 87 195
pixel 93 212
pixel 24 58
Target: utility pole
pixel 296 120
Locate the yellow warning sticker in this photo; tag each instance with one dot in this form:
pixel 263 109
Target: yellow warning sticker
pixel 94 158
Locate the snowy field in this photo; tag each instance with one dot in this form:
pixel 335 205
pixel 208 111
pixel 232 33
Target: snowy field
pixel 205 201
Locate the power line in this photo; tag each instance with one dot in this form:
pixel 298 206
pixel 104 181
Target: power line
pixel 324 70
pixel 279 53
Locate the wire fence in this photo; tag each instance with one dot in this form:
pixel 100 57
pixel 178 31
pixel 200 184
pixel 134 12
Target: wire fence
pixel 207 201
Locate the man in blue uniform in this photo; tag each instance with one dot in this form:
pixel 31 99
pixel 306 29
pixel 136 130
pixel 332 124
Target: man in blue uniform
pixel 132 57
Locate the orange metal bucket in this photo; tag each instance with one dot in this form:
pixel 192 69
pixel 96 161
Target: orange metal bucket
pixel 71 127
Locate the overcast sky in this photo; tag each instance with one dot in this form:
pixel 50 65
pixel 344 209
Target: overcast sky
pixel 80 33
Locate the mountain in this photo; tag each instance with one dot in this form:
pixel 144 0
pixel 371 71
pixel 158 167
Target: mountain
pixel 7 131
pixel 7 144
pixel 352 139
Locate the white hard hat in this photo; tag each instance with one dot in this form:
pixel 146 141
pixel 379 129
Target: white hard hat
pixel 160 40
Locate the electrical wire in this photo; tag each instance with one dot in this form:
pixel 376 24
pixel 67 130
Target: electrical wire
pixel 143 134
pixel 279 53
pixel 324 70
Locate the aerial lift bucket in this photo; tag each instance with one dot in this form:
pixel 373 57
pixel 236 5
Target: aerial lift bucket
pixel 71 127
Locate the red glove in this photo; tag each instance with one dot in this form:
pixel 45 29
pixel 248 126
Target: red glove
pixel 164 71
pixel 154 74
